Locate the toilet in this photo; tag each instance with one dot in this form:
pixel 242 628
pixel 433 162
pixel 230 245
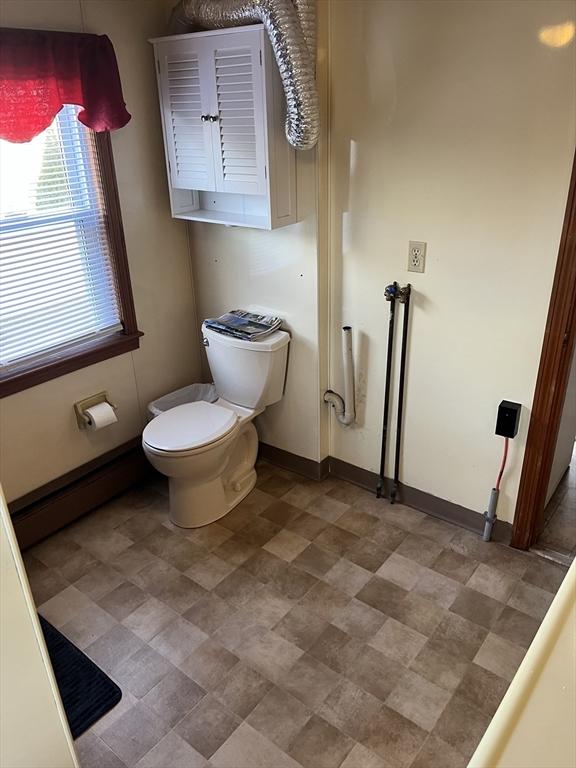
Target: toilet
pixel 208 449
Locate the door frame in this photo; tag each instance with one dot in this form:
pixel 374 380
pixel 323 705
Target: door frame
pixel 551 385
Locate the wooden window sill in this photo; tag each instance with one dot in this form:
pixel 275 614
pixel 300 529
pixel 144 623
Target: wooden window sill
pixel 26 376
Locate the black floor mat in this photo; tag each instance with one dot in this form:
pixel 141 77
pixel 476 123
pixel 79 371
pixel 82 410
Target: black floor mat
pixel 87 693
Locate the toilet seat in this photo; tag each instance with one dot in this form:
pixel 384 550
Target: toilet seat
pixel 189 427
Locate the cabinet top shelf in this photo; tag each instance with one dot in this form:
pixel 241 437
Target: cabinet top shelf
pixel 205 33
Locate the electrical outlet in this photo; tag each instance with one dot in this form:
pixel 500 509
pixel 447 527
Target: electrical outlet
pixel 416 256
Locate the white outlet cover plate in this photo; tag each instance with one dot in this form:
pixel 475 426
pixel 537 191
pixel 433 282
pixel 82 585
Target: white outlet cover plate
pixel 416 256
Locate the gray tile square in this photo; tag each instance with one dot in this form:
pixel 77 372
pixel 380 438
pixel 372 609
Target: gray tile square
pixel 209 664
pixel 398 642
pixel 516 627
pixel 122 600
pixel 350 709
pixel 320 745
pixel 438 754
pixel 247 747
pixel 149 618
pixel 418 699
pixel 92 751
pixel 235 551
pixel 368 554
pixel 500 656
pixel 326 600
pixel 347 576
pixel 143 670
pixel 134 733
pixel 309 680
pixel 455 566
pixel 358 522
pixel 382 595
pixel 373 672
pixel 395 738
pixel 286 545
pixel 172 752
pixel 359 620
pixel 88 625
pixel 180 593
pixel 279 717
pixel 482 688
pixel 337 540
pixel 440 667
pixel 242 690
pixel 301 626
pixel 173 697
pixel 209 536
pixel 491 582
pixel 293 582
pixel 476 607
pixel 238 588
pixel 178 640
pixel 209 571
pixel 268 606
pixel 208 613
pixel 437 588
pixel 258 531
pixel 420 549
pixel 458 637
pixel 280 512
pixel 306 525
pixel 207 726
pixel 462 725
pixel 401 571
pixel 113 648
pixel 64 606
pixel 316 561
pixel 270 655
pixel 531 600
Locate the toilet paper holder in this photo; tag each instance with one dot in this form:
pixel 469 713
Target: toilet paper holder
pixel 82 405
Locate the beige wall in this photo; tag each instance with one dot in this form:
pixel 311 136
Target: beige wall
pixel 534 724
pixel 39 437
pixel 450 123
pixel 28 691
pixel 275 271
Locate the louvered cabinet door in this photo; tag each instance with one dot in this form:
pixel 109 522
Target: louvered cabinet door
pixel 186 98
pixel 239 133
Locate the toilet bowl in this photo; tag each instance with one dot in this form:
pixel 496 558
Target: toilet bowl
pixel 208 449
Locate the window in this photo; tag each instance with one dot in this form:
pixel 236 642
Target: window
pixel 65 297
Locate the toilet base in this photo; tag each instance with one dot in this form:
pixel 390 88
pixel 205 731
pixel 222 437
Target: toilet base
pixel 193 506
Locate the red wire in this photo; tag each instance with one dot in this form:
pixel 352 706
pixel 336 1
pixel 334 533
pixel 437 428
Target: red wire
pixel 503 464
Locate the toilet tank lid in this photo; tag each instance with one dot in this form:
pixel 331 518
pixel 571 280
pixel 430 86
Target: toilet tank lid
pixel 189 426
pixel 269 343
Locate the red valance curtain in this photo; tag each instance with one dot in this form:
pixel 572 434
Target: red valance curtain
pixel 40 71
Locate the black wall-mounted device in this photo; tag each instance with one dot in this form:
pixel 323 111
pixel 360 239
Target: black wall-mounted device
pixel 508 419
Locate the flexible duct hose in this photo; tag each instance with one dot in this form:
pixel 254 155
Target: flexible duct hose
pixel 291 27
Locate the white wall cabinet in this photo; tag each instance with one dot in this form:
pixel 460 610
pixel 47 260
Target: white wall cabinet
pixel 223 108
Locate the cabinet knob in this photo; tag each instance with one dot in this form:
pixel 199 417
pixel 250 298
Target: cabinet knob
pixel 204 118
pixel 213 118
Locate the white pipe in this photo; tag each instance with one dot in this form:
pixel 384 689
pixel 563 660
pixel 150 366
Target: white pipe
pixel 344 408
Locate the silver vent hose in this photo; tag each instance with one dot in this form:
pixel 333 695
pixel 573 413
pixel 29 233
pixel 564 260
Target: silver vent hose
pixel 291 27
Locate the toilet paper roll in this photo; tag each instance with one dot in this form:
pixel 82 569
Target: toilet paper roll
pixel 99 416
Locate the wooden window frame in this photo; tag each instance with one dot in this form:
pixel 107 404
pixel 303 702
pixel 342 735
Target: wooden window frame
pixel 86 353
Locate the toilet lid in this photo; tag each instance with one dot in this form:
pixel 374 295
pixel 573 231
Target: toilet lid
pixel 188 426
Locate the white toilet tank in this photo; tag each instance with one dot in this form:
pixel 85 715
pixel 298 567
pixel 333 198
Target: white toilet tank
pixel 248 373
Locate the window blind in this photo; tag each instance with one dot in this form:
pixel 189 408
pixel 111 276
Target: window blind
pixel 57 282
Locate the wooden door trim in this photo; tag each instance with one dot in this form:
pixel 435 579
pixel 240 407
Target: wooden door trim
pixel 551 384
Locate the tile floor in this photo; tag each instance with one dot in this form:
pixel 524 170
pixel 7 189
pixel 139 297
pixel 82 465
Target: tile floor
pixel 559 534
pixel 313 626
